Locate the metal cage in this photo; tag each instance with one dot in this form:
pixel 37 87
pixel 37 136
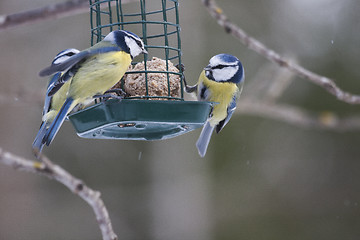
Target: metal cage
pixel 157 26
pixel 145 117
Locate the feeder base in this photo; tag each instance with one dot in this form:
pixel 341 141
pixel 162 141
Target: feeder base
pixel 140 119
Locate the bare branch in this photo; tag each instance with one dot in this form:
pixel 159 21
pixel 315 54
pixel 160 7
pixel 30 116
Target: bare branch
pixel 297 116
pixel 53 11
pixel 53 171
pixel 253 44
pixel 268 84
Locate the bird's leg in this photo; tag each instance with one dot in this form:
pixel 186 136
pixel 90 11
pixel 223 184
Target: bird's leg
pixel 106 96
pixel 181 67
pixel 187 88
pixel 118 91
pixel 115 93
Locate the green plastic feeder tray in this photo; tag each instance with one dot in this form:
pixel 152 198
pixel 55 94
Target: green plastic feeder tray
pixel 140 119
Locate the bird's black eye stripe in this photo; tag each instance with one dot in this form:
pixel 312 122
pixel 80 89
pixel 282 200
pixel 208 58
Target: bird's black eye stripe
pixel 221 66
pixel 138 42
pixel 70 54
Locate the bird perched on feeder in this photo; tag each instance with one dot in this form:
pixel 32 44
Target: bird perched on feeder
pixel 93 71
pixel 218 83
pixel 53 103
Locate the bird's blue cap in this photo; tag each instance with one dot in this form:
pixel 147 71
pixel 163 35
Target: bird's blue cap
pixel 228 58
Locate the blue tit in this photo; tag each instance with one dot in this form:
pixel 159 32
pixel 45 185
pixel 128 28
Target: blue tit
pixel 92 72
pixel 53 103
pixel 218 83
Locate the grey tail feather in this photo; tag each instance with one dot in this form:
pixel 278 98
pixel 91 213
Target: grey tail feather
pixel 37 144
pixel 204 139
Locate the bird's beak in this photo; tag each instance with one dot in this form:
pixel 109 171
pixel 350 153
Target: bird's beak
pixel 144 51
pixel 207 68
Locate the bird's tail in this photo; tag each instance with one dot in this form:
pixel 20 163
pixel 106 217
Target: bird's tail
pixel 58 121
pixel 204 139
pixel 38 144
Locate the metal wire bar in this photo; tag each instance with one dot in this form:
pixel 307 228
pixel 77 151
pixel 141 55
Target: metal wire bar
pixel 144 29
pixel 104 21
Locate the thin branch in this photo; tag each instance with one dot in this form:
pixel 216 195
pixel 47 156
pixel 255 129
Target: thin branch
pixel 268 84
pixel 260 99
pixel 296 116
pixel 53 171
pixel 253 44
pixel 53 11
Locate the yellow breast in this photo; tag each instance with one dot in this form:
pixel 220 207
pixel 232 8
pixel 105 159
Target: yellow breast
pixel 220 92
pixel 98 74
pixel 59 97
pixel 57 101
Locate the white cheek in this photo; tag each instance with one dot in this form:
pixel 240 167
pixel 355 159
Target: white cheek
pixel 225 73
pixel 134 48
pixel 135 51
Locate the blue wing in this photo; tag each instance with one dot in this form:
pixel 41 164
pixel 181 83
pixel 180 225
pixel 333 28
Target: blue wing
pixel 53 88
pixel 58 121
pixel 75 59
pixel 47 103
pixel 37 144
pixel 230 110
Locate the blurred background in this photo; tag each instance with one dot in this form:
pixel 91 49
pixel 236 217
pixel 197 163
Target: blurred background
pixel 261 178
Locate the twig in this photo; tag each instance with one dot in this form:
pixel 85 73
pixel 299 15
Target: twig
pixel 53 11
pixel 273 56
pixel 53 171
pixel 268 84
pixel 297 116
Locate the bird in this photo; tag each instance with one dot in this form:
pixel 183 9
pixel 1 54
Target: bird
pixel 92 72
pixel 218 83
pixel 52 104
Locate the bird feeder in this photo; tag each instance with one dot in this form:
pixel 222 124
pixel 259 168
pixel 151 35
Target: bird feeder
pixel 154 107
